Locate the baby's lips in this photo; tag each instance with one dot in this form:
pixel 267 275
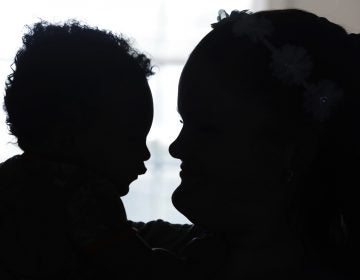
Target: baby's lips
pixel 142 170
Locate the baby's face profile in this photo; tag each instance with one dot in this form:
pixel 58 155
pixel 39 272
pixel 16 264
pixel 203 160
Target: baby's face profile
pixel 118 139
pixel 231 166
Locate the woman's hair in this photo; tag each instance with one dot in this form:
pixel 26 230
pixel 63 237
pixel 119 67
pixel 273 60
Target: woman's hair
pixel 62 71
pixel 327 188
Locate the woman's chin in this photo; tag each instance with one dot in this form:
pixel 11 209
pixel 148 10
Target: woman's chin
pixel 193 205
pixel 176 198
pixel 122 186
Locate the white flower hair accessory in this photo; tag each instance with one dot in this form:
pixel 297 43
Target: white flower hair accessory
pixel 322 99
pixel 290 64
pixel 257 29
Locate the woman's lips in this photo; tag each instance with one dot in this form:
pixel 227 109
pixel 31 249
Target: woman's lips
pixel 189 175
pixel 188 171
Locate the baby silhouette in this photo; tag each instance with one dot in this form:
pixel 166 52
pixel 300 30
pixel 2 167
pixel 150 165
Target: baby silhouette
pixel 79 104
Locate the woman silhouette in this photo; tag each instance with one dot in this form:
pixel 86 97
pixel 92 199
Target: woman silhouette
pixel 269 145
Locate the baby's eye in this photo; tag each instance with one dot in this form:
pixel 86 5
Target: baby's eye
pixel 181 121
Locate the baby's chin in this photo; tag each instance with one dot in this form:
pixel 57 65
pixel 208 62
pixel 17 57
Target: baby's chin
pixel 122 186
pixel 123 191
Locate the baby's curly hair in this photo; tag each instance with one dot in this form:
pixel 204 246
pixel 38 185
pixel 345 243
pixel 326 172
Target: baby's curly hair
pixel 60 71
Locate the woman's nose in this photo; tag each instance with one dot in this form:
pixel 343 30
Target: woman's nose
pixel 176 147
pixel 147 154
pixel 173 149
